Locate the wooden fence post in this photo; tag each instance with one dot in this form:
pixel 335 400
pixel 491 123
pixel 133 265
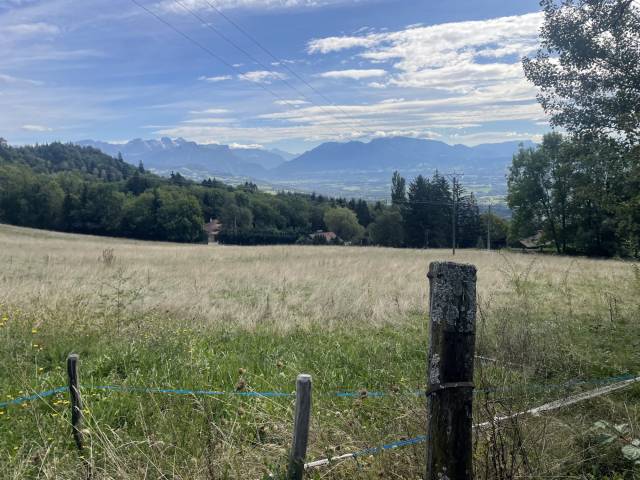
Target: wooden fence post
pixel 75 398
pixel 300 428
pixel 452 306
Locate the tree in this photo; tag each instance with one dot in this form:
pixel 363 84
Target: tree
pixel 344 223
pixel 363 213
pixel 537 192
pixel 398 189
pixel 427 215
pixel 387 229
pixel 588 69
pixel 235 218
pixel 468 216
pixel 179 216
pixel 499 230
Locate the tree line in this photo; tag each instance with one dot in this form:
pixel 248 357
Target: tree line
pixel 79 189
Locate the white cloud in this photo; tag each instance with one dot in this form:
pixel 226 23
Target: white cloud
pixel 354 74
pixel 219 78
pixel 262 76
pixel 173 7
pixel 211 111
pixel 423 118
pixel 294 102
pixel 457 57
pixel 494 136
pixel 235 146
pixel 30 29
pixel 9 79
pixel 206 121
pixel 334 44
pixel 36 128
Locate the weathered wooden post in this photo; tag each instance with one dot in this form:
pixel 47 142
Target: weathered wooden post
pixel 75 398
pixel 452 306
pixel 300 428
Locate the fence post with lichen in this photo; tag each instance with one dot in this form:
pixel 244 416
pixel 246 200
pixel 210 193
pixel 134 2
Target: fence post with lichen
pixel 452 307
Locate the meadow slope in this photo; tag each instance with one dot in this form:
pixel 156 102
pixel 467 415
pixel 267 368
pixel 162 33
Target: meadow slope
pixel 246 319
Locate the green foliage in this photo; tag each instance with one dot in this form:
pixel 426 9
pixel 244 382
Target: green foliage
pixel 578 193
pixel 344 223
pixel 588 69
pixel 499 230
pixel 387 230
pixel 398 189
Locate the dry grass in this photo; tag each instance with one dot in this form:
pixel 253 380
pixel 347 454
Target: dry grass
pixel 195 316
pixel 238 286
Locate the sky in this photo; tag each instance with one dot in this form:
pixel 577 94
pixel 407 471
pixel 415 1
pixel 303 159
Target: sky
pixel 289 74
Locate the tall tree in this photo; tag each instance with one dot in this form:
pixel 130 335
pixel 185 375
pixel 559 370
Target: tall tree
pixel 588 68
pixel 398 189
pixel 538 191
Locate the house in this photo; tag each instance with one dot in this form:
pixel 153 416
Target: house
pixel 328 236
pixel 212 228
pixel 534 242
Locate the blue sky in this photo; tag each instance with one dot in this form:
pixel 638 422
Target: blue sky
pixel 109 70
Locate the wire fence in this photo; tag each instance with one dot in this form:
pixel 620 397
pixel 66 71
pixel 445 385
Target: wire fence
pixel 603 386
pixel 530 387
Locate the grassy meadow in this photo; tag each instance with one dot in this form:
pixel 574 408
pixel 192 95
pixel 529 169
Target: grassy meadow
pixel 250 319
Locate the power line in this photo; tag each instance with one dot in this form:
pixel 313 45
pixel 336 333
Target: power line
pixel 274 57
pixel 266 67
pixel 207 50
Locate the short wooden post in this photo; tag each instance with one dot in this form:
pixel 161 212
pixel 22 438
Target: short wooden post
pixel 452 307
pixel 300 428
pixel 75 398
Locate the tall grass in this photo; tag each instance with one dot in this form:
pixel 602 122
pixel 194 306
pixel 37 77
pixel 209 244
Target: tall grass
pixel 227 318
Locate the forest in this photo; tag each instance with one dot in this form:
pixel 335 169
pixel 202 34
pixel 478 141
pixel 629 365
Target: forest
pixel 79 189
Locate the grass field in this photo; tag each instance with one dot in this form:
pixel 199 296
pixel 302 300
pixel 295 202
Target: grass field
pixel 251 318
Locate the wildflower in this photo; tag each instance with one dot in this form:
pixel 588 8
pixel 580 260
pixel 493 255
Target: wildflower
pixel 280 364
pixel 35 345
pixel 2 412
pixel 34 330
pixel 241 385
pixel 242 371
pixel 41 369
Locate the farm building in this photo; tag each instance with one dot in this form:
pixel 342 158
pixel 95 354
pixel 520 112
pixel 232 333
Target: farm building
pixel 534 242
pixel 328 236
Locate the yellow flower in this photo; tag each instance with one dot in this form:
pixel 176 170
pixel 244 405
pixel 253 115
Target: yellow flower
pixel 41 369
pixel 34 330
pixel 2 412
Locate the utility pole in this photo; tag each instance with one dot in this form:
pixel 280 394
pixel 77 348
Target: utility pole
pixel 454 220
pixel 454 214
pixel 489 229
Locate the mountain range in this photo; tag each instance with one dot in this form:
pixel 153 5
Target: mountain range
pixel 401 153
pixel 333 168
pixel 168 154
